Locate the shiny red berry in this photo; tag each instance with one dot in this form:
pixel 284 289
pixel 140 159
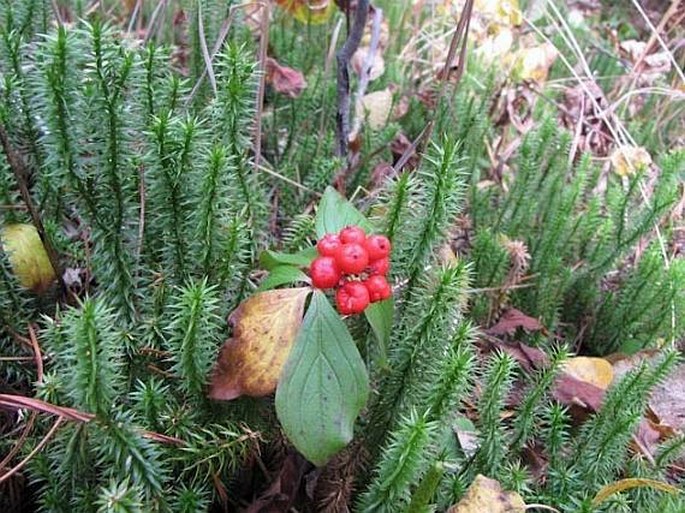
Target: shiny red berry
pixel 352 258
pixel 328 245
pixel 352 298
pixel 378 287
pixel 378 246
pixel 380 266
pixel 324 272
pixel 352 234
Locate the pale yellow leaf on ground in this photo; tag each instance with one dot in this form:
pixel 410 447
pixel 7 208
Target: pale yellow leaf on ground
pixel 496 46
pixel 375 108
pixel 626 160
pixel 27 256
pixel 359 61
pixel 596 371
pixel 627 484
pixel 264 329
pixel 486 495
pixel 533 63
pixel 504 12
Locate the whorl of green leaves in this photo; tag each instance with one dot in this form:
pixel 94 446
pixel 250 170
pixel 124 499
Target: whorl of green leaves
pixel 527 416
pixel 493 437
pixel 418 347
pixel 440 177
pixel 122 448
pixel 212 214
pixel 194 334
pixel 454 374
pixel 401 465
pixel 92 357
pixel 600 449
pixel 119 497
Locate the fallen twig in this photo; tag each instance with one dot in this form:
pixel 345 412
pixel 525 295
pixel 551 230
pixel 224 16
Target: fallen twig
pixel 343 57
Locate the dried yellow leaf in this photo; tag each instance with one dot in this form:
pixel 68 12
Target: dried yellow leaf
pixel 626 160
pixel 486 494
pixel 596 371
pixel 264 329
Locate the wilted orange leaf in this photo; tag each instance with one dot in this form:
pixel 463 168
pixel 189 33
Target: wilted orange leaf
pixel 264 329
pixel 309 11
pixel 486 494
pixel 596 371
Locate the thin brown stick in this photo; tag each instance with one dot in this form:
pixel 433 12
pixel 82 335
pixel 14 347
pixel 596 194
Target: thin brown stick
pixel 21 175
pixel 261 88
pixel 203 46
pixel 38 356
pixel 16 402
pixel 343 57
pixel 35 451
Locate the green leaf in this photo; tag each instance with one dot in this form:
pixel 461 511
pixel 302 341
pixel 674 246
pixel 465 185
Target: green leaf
pixel 271 259
pixel 324 385
pixel 282 275
pixel 380 316
pixel 335 213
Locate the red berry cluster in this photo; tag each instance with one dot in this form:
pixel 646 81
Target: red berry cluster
pixel 354 264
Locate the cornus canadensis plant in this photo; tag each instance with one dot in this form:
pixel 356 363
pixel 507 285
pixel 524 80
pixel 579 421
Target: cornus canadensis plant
pixel 221 329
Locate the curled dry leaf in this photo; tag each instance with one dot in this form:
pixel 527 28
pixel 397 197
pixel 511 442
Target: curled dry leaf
pixel 486 494
pixel 264 329
pixel 626 159
pixel 284 80
pixel 309 11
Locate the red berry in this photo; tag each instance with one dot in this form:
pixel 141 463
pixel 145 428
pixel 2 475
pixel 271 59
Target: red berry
pixel 352 234
pixel 352 298
pixel 324 272
pixel 378 247
pixel 352 258
pixel 380 266
pixel 328 245
pixel 378 287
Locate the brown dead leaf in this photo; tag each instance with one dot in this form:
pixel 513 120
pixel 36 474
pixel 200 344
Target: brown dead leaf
pixel 486 494
pixel 513 319
pixel 581 397
pixel 596 371
pixel 264 329
pixel 528 358
pixel 284 80
pixel 281 494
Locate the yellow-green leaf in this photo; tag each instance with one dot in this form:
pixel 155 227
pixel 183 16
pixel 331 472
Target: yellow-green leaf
pixel 309 11
pixel 264 329
pixel 27 256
